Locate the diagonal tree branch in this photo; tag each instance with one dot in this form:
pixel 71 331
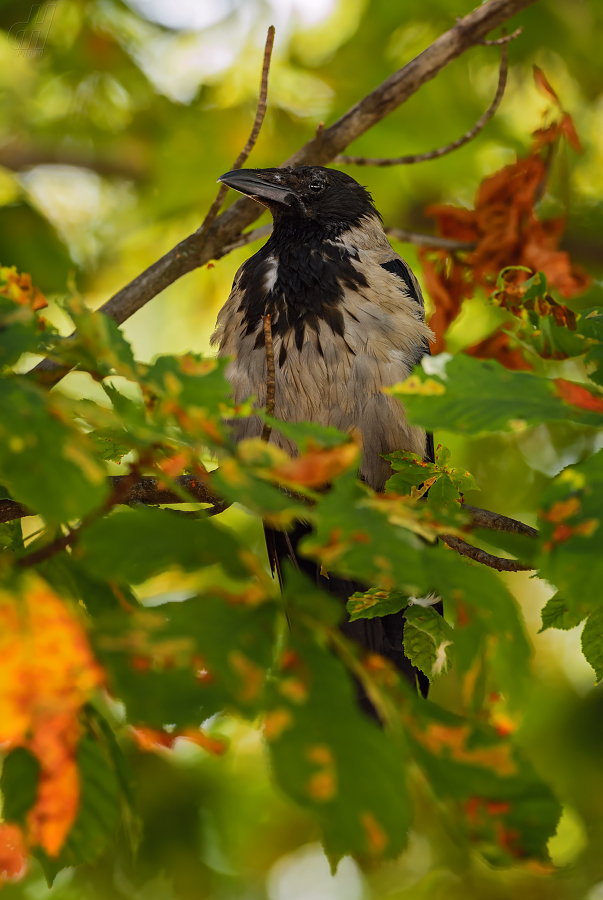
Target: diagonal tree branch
pixel 198 249
pixel 429 240
pixel 480 556
pixel 448 148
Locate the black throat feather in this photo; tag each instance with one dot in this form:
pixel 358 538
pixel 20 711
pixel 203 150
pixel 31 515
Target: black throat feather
pixel 300 277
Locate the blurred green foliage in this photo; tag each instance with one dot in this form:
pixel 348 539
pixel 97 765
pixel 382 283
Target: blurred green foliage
pixel 112 138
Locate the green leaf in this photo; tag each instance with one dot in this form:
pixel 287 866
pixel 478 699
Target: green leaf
pixel 19 784
pixel 333 760
pixel 180 663
pixel 98 813
pixel 46 463
pixel 302 595
pixel 571 549
pixel 352 539
pixel 191 380
pixel 428 640
pixel 412 470
pixel 558 613
pixel 155 540
pixel 375 602
pixel 481 395
pixel 99 346
pixel 592 642
pixel 590 325
pixel 503 807
pixel 483 612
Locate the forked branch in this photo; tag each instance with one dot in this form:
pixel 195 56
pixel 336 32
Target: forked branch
pixel 251 140
pixel 342 159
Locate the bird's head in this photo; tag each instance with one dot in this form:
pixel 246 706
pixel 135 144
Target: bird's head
pixel 309 194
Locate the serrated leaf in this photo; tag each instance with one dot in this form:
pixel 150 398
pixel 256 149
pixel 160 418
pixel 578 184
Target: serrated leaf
pixel 483 611
pixel 375 602
pixel 503 807
pixel 558 613
pixel 481 395
pixel 333 760
pixel 592 642
pixel 98 812
pixel 428 640
pixel 99 346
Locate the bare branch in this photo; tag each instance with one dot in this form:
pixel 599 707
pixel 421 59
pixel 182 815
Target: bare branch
pixel 18 155
pixel 147 490
pixel 483 518
pixel 429 240
pixel 248 238
pixel 270 375
pixel 193 252
pixel 448 148
pixel 494 562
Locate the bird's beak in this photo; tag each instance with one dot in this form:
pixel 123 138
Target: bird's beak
pixel 250 182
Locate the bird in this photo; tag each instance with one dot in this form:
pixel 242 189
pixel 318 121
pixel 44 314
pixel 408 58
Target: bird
pixel 347 320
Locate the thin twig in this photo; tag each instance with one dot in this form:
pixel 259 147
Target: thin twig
pixel 192 252
pixel 480 556
pixel 505 39
pixel 270 375
pixel 448 148
pixel 320 130
pixel 255 131
pixel 429 240
pixel 248 238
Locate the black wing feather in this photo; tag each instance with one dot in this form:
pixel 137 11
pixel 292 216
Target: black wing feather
pixel 399 268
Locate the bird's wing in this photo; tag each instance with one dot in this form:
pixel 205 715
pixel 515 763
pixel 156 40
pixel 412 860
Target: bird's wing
pixel 397 266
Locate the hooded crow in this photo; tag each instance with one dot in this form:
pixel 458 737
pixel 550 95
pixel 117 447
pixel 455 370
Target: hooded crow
pixel 347 320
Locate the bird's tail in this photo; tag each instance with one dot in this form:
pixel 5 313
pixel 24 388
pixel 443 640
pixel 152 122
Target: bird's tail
pixel 383 635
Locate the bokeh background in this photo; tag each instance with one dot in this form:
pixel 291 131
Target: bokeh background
pixel 112 136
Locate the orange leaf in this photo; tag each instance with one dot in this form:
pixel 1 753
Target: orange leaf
pixel 47 673
pixel 566 126
pixel 317 466
pixel 20 289
pixel 577 395
pixel 496 346
pixel 175 465
pixel 13 853
pixel 543 84
pixel 152 739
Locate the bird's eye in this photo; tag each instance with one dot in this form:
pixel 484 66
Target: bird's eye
pixel 315 186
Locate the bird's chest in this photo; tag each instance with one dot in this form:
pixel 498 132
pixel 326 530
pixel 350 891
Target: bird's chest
pixel 334 334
